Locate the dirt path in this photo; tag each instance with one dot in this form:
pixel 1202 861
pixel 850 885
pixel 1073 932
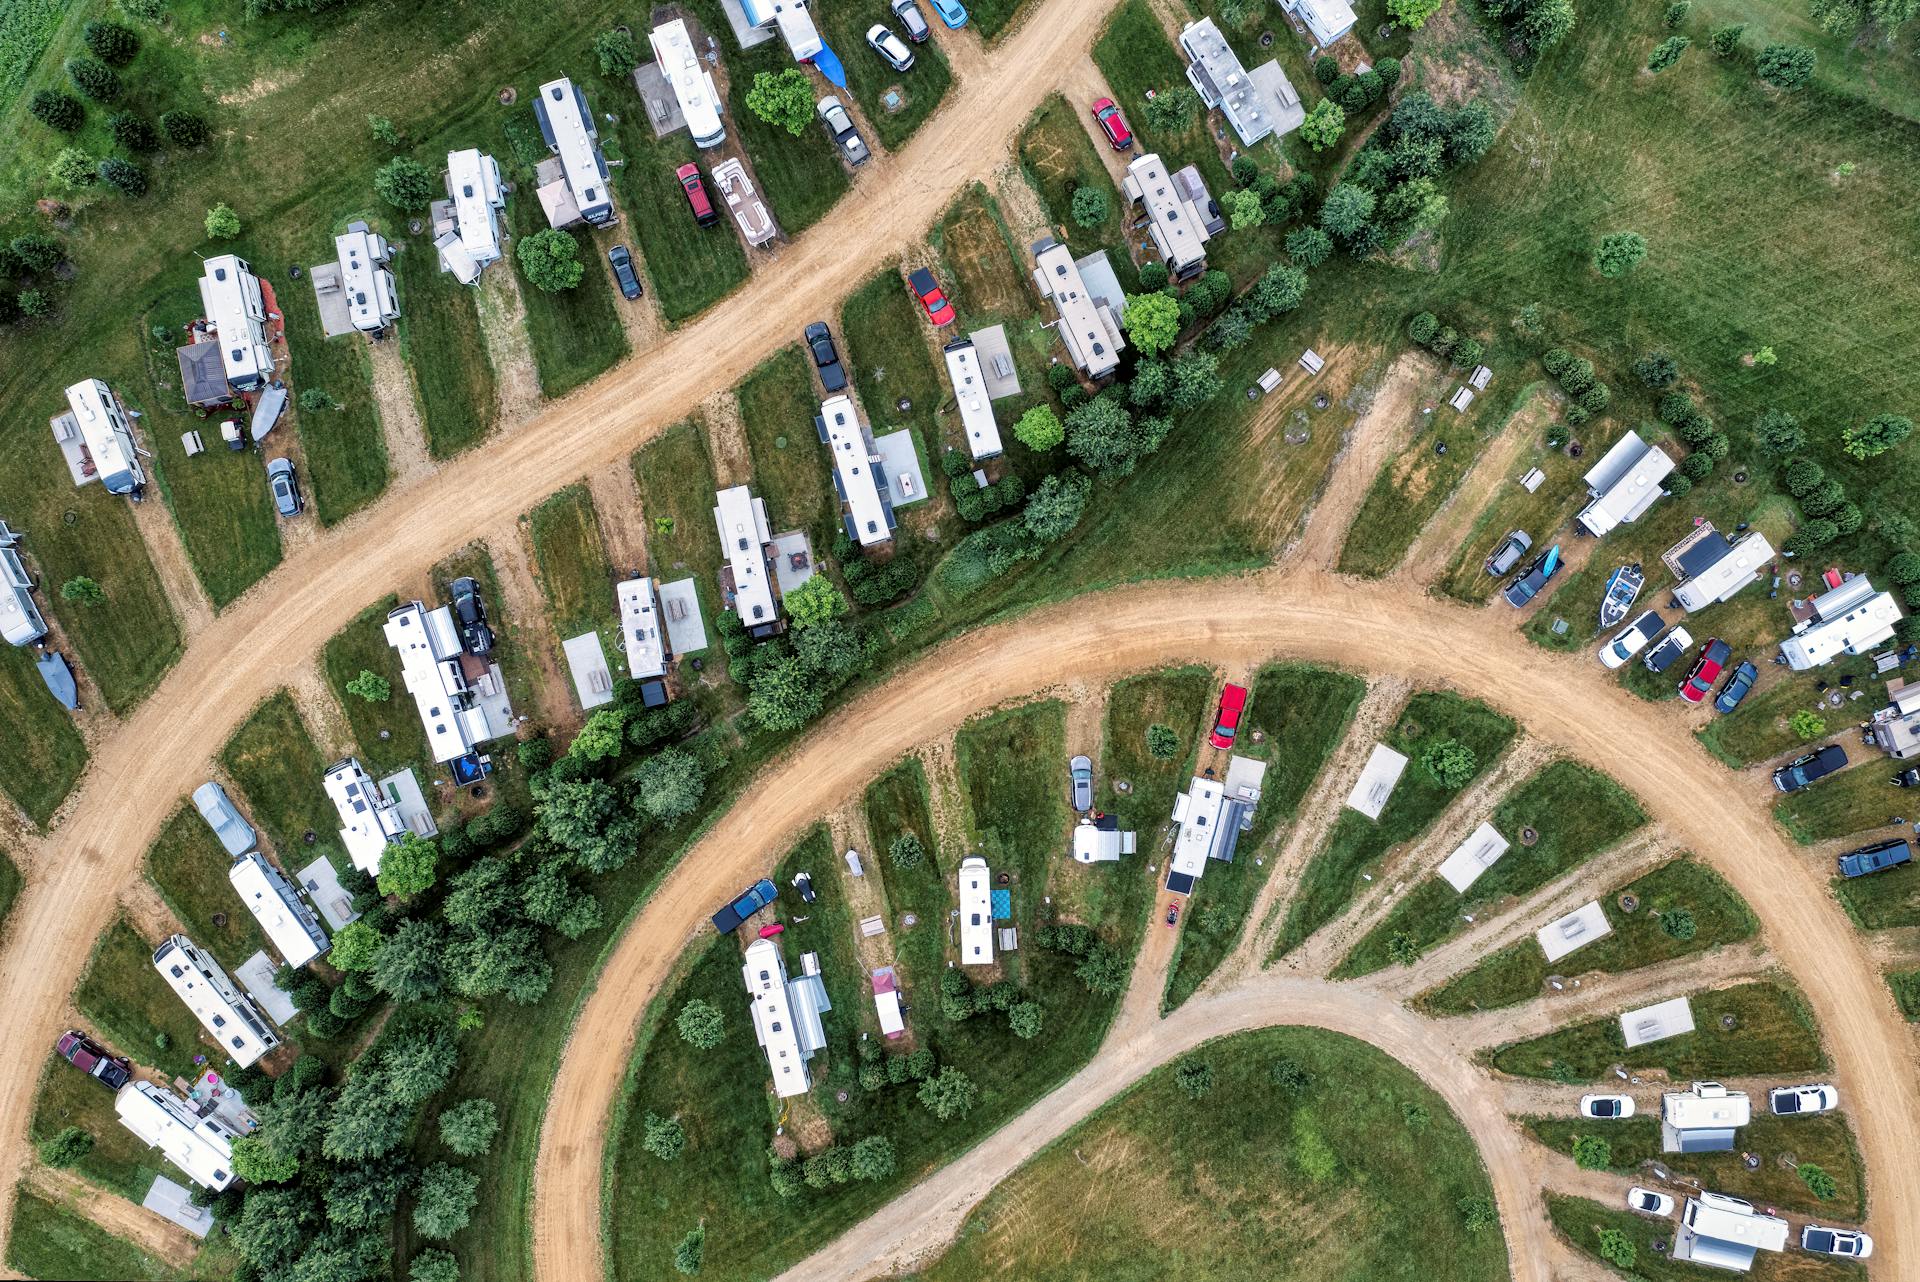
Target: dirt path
pixel 399 410
pixel 1370 442
pixel 727 443
pixel 616 501
pixel 326 719
pixel 1433 551
pixel 527 608
pixel 169 1242
pixel 503 323
pixel 1019 205
pixel 1083 84
pixel 146 911
pixel 169 555
pixel 641 317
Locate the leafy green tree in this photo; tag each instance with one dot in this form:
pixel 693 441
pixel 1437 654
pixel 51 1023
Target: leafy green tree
pixel 687 1255
pixel 665 1137
pixel 468 1128
pixel 1546 24
pixel 408 866
pixel 1090 207
pixel 364 1123
pixel 1679 923
pixel 355 947
pixel 56 110
pixel 814 602
pixel 1726 40
pixel 1163 744
pixel 434 1265
pixel 1243 208
pixel 1327 121
pixel 132 133
pixel 1450 763
pixel 1785 66
pixel 1818 1182
pixel 873 1158
pixel 617 52
pixel 409 966
pixel 66 1148
pixel 418 1064
pixel 1412 14
pixel 256 1163
pixel 1103 970
pixel 1778 432
pixel 1347 211
pixel 1057 505
pixel 1039 429
pixel 384 131
pixel 1620 253
pixel 590 820
pixel 1194 1077
pixel 1667 52
pixel 1845 17
pixel 550 260
pixel 444 1201
pixel 1591 1153
pixel 783 98
pixel 602 736
pixel 110 42
pixel 1152 322
pixel 1025 1019
pixel 1309 246
pixel 274 1225
pixel 1877 435
pixel 701 1025
pixel 948 1094
pixel 1807 724
pixel 93 78
pixel 1677 12
pixel 906 852
pixel 1617 1248
pixel 671 782
pixel 783 694
pixel 1102 435
pixel 72 169
pixel 224 224
pixel 1196 379
pixel 1173 109
pixel 82 590
pixel 185 128
pixel 123 176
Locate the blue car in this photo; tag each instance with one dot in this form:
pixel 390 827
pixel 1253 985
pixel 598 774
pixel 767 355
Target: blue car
pixel 752 900
pixel 1736 688
pixel 951 12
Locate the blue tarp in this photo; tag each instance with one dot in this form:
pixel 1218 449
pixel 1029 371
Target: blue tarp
pixel 59 679
pixel 1003 905
pixel 829 64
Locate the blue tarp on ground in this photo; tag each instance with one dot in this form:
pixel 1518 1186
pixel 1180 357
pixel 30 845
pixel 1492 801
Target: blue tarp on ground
pixel 829 64
pixel 1003 905
pixel 59 679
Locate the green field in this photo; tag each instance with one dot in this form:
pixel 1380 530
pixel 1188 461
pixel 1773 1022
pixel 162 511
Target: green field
pixel 52 1241
pixel 124 997
pixel 1772 1032
pixel 188 865
pixel 120 1160
pixel 345 451
pixel 689 266
pixel 1058 159
pixel 844 27
pixel 572 560
pixel 884 336
pixel 10 884
pixel 389 734
pixel 792 470
pixel 1013 770
pixel 441 340
pixel 1176 698
pixel 675 478
pixel 1882 901
pixel 1853 801
pixel 43 755
pixel 1758 731
pixel 1519 971
pixel 576 334
pixel 274 760
pixel 1577 812
pixel 1224 1185
pixel 1906 992
pixel 896 804
pixel 1580 1221
pixel 1357 844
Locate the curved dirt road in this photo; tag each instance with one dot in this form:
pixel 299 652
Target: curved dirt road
pixel 1394 628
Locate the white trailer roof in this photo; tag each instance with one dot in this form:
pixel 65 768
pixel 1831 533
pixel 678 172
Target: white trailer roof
pixel 970 393
pixel 976 912
pixel 473 182
pixel 640 628
pixel 1087 327
pixel 1575 930
pixel 692 82
pixel 1725 1232
pixel 587 665
pixel 1657 1022
pixel 741 520
pixel 765 975
pixel 369 821
pixel 429 649
pixel 20 621
pixel 791 19
pixel 1707 1104
pixel 207 991
pixel 290 925
pixel 1479 852
pixel 568 125
pixel 1327 20
pixel 201 1147
pixel 363 255
pixel 1376 783
pixel 1624 483
pixel 107 433
pixel 1096 845
pixel 230 296
pixel 853 472
pixel 1868 621
pixel 1197 810
pixel 1178 229
pixel 1737 567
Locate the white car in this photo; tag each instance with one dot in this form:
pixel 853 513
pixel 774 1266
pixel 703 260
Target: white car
pixel 1631 640
pixel 1606 1108
pixel 1851 1243
pixel 1649 1202
pixel 890 47
pixel 1793 1101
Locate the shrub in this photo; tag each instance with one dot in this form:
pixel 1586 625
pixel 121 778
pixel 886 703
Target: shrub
pixel 907 852
pixel 154 11
pixel 783 98
pixel 617 53
pixel 1308 246
pixel 123 176
pixel 949 1094
pixel 1877 435
pixel 1449 762
pixel 687 1255
pixel 184 128
pixel 223 224
pixel 1025 1019
pixel 384 131
pixel 132 133
pixel 1422 328
pixel 1324 124
pixel 1813 535
pixel 1785 66
pixel 1153 278
pixel 665 1137
pixel 1679 923
pixel 82 590
pixel 1090 207
pixel 1617 1248
pixel 1667 52
pixel 1800 475
pixel 1778 432
pixel 1904 569
pixel 1194 1077
pixel 550 259
pixel 1677 12
pixel 72 169
pixel 1477 1212
pixel 701 1025
pixel 1726 40
pixel 1823 498
pixel 1162 743
pixel 1171 110
pixel 1807 724
pixel 110 42
pixel 1620 253
pixel 1245 170
pixel 1818 1182
pixel 1678 485
pixel 1401 949
pixel 56 110
pixel 94 79
pixel 1326 69
pixel 1656 370
pixel 67 1147
pixel 405 184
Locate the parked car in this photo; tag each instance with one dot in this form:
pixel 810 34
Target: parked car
pixel 1706 670
pixel 1872 859
pixel 1631 640
pixel 1226 721
pixel 1080 769
pixel 1908 778
pixel 927 290
pixel 1851 1243
pixel 285 485
pixel 703 211
pixel 1649 1201
pixel 470 612
pixel 1606 1107
pixel 1508 554
pixel 1738 686
pixel 1173 913
pixel 1534 577
pixel 1809 767
pixel 826 357
pixel 751 900
pixel 1671 647
pixel 803 886
pixel 1106 114
pixel 235 833
pixel 91 1058
pixel 911 18
pixel 890 47
pixel 853 148
pixel 950 12
pixel 629 280
pixel 1798 1101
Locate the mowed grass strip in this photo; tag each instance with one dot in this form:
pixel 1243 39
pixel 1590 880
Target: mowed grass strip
pixel 1853 801
pixel 1882 900
pixel 49 1240
pixel 1772 1032
pixel 1301 712
pixel 792 470
pixel 1906 992
pixel 1519 971
pixel 691 267
pixel 885 336
pixel 441 339
pixel 1136 57
pixel 1235 1173
pixel 273 759
pixel 388 733
pixel 1356 843
pixel 870 79
pixel 10 884
pixel 1176 698
pixel 1577 812
pixel 576 334
pixel 1058 159
pixel 41 755
pixel 124 997
pixel 344 449
pixel 188 866
pixel 896 804
pixel 119 1161
pixel 574 570
pixel 1581 1220
pixel 674 474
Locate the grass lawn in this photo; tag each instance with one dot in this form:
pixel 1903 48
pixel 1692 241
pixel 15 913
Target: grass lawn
pixel 690 267
pixel 124 997
pixel 1235 1174
pixel 1580 1221
pixel 1136 56
pixel 1541 513
pixel 346 452
pixel 1519 971
pixel 1906 991
pixel 844 27
pixel 274 760
pixel 791 468
pixel 991 17
pixel 576 334
pixel 675 479
pixel 1824 1140
pixel 1299 713
pixel 1176 698
pixel 1058 159
pixel 1013 769
pixel 884 336
pixel 1852 801
pixel 1757 730
pixel 188 865
pixel 52 1241
pixel 573 564
pixel 120 1161
pixel 9 885
pixel 1578 813
pixel 896 804
pixel 1356 843
pixel 389 733
pixel 42 754
pixel 441 340
pixel 1773 1032
pixel 1881 901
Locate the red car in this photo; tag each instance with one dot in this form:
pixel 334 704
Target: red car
pixel 927 290
pixel 1107 115
pixel 1173 913
pixel 1227 720
pixel 1706 671
pixel 703 211
pixel 91 1058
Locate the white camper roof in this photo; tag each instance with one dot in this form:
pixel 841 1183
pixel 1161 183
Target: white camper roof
pixel 1624 483
pixel 230 295
pixel 970 394
pixel 1327 20
pixel 1737 567
pixel 1657 1022
pixel 276 905
pixel 741 521
pixel 473 182
pixel 1707 1104
pixel 1851 619
pixel 1093 844
pixel 976 912
pixel 1575 930
pixel 1087 326
pixel 1479 852
pixel 692 82
pixel 571 133
pixel 429 647
pixel 791 19
pixel 201 1147
pixel 640 628
pixel 364 278
pixel 107 433
pixel 1198 812
pixel 369 822
pixel 1178 229
pixel 765 975
pixel 228 1017
pixel 1726 1232
pixel 1377 781
pixel 20 621
pixel 853 470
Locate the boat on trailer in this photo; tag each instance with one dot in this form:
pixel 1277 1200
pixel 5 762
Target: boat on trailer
pixel 1623 588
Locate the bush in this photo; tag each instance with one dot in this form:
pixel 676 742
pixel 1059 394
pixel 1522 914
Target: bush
pixel 56 110
pixel 1153 278
pixel 1877 435
pixel 617 52
pixel 906 852
pixel 1800 475
pixel 665 1137
pixel 1807 724
pixel 1823 498
pixel 1326 69
pixel 384 131
pixel 687 1255
pixel 550 260
pixel 223 224
pixel 184 128
pixel 1904 569
pixel 1778 432
pixel 1194 1077
pixel 1090 207
pixel 1656 370
pixel 1450 763
pixel 1785 66
pixel 1726 40
pixel 66 1148
pixel 1818 1182
pixel 1423 328
pixel 1162 743
pixel 72 169
pixel 701 1025
pixel 1308 246
pixel 1667 52
pixel 405 184
pixel 1677 12
pixel 110 42
pixel 1620 253
pixel 94 79
pixel 949 1094
pixel 1289 1076
pixel 1171 110
pixel 1617 1248
pixel 1025 1019
pixel 131 133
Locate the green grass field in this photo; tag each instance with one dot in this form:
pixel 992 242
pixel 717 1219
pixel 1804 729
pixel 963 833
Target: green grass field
pixel 1519 971
pixel 675 478
pixel 1013 770
pixel 1773 1032
pixel 1356 843
pixel 1578 812
pixel 1580 1221
pixel 576 334
pixel 1854 801
pixel 920 89
pixel 1176 698
pixel 884 336
pixel 896 804
pixel 124 997
pixel 274 760
pixel 572 560
pixel 44 754
pixel 1757 730
pixel 188 865
pixel 120 1161
pixel 441 340
pixel 53 1241
pixel 792 470
pixel 1225 1185
pixel 1058 159
pixel 689 266
pixel 346 453
pixel 1883 901
pixel 389 734
pixel 10 884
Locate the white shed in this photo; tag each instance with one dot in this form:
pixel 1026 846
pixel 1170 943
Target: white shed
pixel 1377 781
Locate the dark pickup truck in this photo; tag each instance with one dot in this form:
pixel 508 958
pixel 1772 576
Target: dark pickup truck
pixel 1801 771
pixel 752 900
pixel 1872 859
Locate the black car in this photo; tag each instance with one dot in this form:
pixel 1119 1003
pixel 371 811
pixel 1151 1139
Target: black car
pixel 623 272
pixel 752 900
pixel 471 614
pixel 93 1059
pixel 1801 771
pixel 1534 577
pixel 826 357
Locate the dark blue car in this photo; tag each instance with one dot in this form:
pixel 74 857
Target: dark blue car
pixel 1871 859
pixel 1736 688
pixel 752 900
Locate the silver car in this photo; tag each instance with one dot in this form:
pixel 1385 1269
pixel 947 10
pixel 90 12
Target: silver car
pixel 890 47
pixel 909 14
pixel 1081 769
pixel 840 128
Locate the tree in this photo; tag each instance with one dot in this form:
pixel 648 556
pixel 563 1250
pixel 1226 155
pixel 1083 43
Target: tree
pixel 110 42
pixel 1807 724
pixel 1620 253
pixel 94 79
pixel 1845 17
pixel 82 590
pixel 1546 23
pixel 1347 212
pixel 417 1064
pixel 384 131
pixel 617 53
pixel 1194 1077
pixel 602 736
pixel 1591 1153
pixel 1617 1248
pixel 1904 569
pixel 783 98
pixel 1679 923
pixel 468 1127
pixel 1818 1182
pixel 1785 66
pixel 1243 208
pixel 1778 432
pixel 1667 52
pixel 1152 322
pixel 364 1124
pixel 1196 379
pixel 1104 436
pixel 124 177
pixel 671 782
pixel 686 1256
pixel 1289 1076
pixel 1025 1019
pixel 1414 206
pixel 907 852
pixel 1677 12
pixel 1162 743
pixel 783 695
pixel 1170 110
pixel 1801 475
pixel 665 1137
pixel 1726 40
pixel 67 1147
pixel 1309 246
pixel 701 1025
pixel 434 1265
pixel 404 183
pixel 445 1199
pixel 1450 763
pixel 550 260
pixel 815 602
pixel 1656 370
pixel 256 1163
pixel 1090 207
pixel 72 169
pixel 355 947
pixel 409 966
pixel 1412 14
pixel 948 1094
pixel 1877 435
pixel 56 110
pixel 184 128
pixel 132 133
pixel 1057 505
pixel 1039 429
pixel 407 866
pixel 223 224
pixel 873 1158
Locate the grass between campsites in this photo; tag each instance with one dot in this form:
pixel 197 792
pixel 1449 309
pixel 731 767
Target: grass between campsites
pixel 1175 698
pixel 1882 901
pixel 119 1160
pixel 896 804
pixel 885 335
pixel 124 997
pixel 344 450
pixel 1853 801
pixel 1058 159
pixel 1519 971
pixel 1772 1031
pixel 274 760
pixel 576 334
pixel 1580 1221
pixel 1299 714
pixel 1906 992
pixel 1203 1181
pixel 441 340
pixel 53 1241
pixel 1781 1143
pixel 674 475
pixel 690 267
pixel 1758 729
pixel 914 93
pixel 574 570
pixel 188 866
pixel 10 884
pixel 1013 772
pixel 388 732
pixel 1357 843
pixel 42 754
pixel 792 470
pixel 1577 812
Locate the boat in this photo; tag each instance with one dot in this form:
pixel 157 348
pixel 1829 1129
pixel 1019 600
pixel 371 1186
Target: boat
pixel 267 412
pixel 1622 590
pixel 828 63
pixel 748 210
pixel 58 678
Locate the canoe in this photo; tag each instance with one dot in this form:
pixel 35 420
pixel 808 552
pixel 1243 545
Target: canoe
pixel 1623 588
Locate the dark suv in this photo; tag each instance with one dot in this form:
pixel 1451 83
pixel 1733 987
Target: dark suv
pixel 752 900
pixel 826 357
pixel 471 614
pixel 1868 859
pixel 622 260
pixel 1801 771
pixel 91 1058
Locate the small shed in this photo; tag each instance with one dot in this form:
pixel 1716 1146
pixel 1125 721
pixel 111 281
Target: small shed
pixel 1480 377
pixel 1311 361
pixel 1376 783
pixel 1479 852
pixel 1657 1022
pixel 1575 930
